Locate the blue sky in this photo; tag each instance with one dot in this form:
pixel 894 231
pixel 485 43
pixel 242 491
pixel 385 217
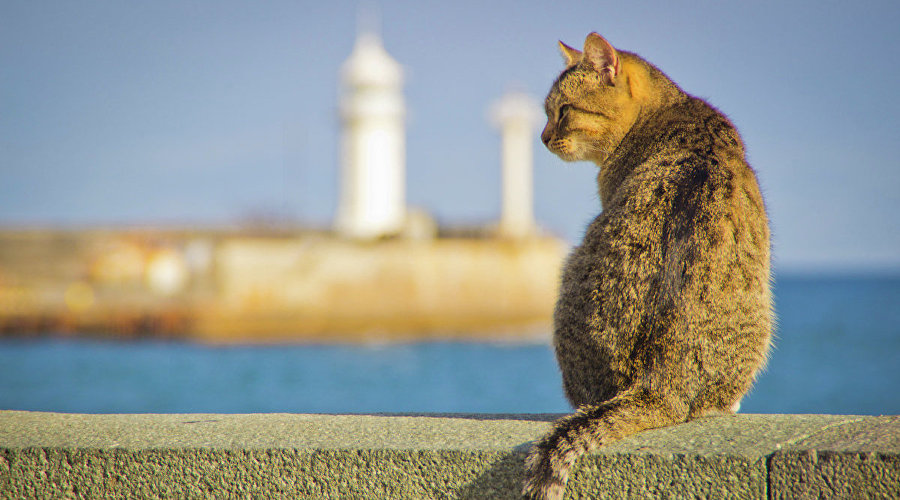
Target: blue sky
pixel 182 112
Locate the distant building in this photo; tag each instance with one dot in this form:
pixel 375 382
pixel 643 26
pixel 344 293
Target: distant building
pixel 373 144
pixel 373 152
pixel 516 114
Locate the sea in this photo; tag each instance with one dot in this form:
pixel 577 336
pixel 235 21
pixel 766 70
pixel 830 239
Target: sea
pixel 837 351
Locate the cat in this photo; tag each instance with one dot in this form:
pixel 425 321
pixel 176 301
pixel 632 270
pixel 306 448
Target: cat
pixel 664 311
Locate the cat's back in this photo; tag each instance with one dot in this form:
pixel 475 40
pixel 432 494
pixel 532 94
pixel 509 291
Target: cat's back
pixel 680 172
pixel 677 195
pixel 683 239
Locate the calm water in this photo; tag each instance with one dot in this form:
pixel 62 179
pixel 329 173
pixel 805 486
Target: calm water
pixel 838 351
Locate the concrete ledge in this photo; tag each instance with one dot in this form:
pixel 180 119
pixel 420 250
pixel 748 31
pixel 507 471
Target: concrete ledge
pixel 49 455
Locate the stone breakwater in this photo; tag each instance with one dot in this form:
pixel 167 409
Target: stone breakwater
pixel 233 287
pixel 48 455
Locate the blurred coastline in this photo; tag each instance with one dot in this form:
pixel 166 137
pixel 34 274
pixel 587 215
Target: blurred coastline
pixel 274 284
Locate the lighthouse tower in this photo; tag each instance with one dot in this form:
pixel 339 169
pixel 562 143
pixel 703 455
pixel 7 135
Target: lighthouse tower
pixel 373 145
pixel 516 114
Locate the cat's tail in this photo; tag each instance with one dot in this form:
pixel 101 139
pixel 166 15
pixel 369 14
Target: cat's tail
pixel 548 464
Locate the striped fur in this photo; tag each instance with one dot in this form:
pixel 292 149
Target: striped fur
pixel 664 312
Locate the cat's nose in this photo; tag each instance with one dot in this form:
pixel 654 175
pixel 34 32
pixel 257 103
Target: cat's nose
pixel 545 136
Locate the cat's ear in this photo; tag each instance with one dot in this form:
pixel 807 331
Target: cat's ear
pixel 572 56
pixel 602 56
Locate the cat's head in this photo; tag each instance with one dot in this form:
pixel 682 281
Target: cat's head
pixel 593 103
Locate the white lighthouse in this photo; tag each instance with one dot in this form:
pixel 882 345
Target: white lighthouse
pixel 516 114
pixel 373 146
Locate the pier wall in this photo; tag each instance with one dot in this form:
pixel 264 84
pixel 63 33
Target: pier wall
pixel 220 286
pixel 437 287
pixel 47 455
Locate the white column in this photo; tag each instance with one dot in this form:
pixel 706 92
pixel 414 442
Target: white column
pixel 373 146
pixel 516 114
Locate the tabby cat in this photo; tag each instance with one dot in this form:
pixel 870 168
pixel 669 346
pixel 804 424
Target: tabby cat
pixel 664 311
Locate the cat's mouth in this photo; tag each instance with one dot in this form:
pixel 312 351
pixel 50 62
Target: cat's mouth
pixel 563 149
pixel 567 149
pixel 573 149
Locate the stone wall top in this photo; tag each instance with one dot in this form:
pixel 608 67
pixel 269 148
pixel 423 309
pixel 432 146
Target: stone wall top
pixel 435 456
